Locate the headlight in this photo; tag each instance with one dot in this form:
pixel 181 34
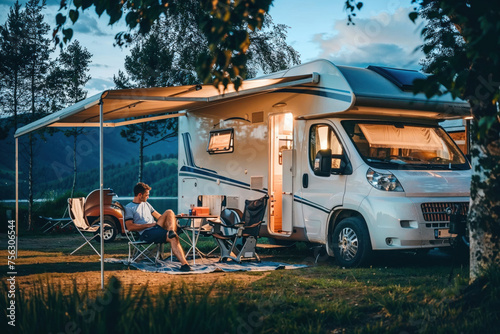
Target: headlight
pixel 383 181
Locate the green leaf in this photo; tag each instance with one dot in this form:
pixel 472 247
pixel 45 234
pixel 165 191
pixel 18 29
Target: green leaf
pixel 63 4
pixel 131 19
pixel 87 3
pixel 413 16
pixel 60 19
pixel 68 34
pixel 73 15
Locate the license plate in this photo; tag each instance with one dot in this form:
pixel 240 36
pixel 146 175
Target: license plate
pixel 443 234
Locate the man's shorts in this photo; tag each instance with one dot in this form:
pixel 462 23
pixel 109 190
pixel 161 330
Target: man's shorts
pixel 155 234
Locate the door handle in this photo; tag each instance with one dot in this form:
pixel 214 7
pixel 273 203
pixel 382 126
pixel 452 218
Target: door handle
pixel 305 180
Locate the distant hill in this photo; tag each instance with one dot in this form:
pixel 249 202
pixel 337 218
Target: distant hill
pixel 159 172
pixel 53 167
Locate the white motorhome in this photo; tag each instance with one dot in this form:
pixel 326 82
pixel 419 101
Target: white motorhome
pixel 351 159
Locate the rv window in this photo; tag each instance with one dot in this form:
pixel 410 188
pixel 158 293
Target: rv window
pixel 321 137
pixel 221 141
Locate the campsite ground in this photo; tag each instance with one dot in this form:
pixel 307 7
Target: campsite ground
pixel 398 292
pixel 48 257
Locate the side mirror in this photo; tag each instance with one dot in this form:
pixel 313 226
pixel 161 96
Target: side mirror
pixel 341 164
pixel 326 164
pixel 323 163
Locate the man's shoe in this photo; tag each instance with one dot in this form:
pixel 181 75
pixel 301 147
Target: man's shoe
pixel 171 234
pixel 185 267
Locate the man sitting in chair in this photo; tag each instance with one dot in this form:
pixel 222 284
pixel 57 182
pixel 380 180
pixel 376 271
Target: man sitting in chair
pixel 140 217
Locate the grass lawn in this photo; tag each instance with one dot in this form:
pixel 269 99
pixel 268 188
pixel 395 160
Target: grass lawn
pixel 398 293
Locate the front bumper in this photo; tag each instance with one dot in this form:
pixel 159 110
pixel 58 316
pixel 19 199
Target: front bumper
pixel 408 222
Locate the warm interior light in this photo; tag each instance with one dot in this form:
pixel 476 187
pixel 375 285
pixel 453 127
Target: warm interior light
pixel 288 124
pixel 323 137
pixel 279 105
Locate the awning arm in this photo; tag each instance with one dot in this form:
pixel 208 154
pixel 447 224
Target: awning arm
pixel 116 124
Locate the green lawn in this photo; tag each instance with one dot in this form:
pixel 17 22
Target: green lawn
pixel 398 293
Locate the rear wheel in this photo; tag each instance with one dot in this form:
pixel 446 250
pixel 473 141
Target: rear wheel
pixel 351 243
pixel 110 232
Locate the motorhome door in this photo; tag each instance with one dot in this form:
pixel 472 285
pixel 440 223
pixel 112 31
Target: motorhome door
pixel 319 194
pixel 281 173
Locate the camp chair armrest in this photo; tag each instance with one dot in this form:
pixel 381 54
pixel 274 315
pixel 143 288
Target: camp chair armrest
pixel 254 225
pixel 221 223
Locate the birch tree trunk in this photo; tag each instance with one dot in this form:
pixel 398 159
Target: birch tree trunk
pixel 484 213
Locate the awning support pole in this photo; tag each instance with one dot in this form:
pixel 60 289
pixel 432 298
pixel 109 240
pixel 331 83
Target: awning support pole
pixel 101 191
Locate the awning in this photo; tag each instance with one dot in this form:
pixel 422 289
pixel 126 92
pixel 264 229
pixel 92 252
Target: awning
pixel 154 103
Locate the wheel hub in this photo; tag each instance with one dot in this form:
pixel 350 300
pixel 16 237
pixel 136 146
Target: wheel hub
pixel 348 243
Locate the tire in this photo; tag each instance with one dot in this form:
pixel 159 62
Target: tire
pixel 110 232
pixel 351 243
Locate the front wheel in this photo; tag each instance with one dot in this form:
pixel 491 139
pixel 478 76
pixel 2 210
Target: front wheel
pixel 351 243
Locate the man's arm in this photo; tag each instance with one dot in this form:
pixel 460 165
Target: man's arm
pixel 156 214
pixel 131 226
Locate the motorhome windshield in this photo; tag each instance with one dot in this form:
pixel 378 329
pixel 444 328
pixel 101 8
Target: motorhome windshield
pixel 406 146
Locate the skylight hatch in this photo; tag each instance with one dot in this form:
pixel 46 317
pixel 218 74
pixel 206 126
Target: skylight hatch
pixel 401 78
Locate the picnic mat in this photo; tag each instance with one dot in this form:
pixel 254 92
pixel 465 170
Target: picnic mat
pixel 208 266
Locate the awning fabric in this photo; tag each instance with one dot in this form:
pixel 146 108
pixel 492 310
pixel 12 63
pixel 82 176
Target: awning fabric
pixel 151 102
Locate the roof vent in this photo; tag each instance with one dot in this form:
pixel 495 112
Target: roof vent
pixel 401 78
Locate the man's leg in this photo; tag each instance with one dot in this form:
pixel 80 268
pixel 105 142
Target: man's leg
pixel 169 223
pixel 177 249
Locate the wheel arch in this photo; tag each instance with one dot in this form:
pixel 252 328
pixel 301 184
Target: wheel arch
pixel 116 222
pixel 336 217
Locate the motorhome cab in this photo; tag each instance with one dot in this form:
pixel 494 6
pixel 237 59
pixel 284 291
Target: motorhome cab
pixel 349 157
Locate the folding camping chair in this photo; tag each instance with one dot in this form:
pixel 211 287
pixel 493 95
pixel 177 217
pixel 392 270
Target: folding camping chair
pixel 53 223
pixel 241 242
pixel 138 248
pixel 75 208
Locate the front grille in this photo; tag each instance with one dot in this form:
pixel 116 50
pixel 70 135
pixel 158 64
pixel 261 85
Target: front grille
pixel 437 225
pixel 436 212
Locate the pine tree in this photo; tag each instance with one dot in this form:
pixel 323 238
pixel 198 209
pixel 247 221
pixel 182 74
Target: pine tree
pixel 12 65
pixel 37 48
pixel 74 67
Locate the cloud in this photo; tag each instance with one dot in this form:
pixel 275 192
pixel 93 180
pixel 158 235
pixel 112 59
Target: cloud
pixel 95 86
pixel 100 66
pixel 88 24
pixel 383 39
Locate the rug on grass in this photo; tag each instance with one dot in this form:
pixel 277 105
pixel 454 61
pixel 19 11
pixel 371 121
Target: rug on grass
pixel 207 266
